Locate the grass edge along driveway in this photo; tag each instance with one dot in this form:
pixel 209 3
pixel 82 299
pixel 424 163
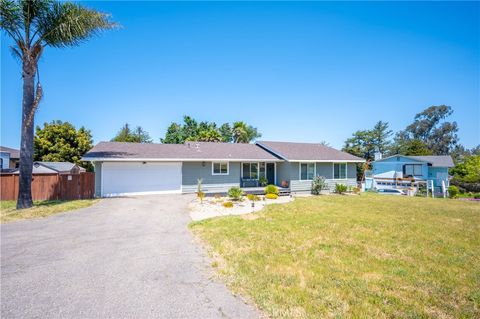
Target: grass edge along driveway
pixel 45 208
pixel 353 256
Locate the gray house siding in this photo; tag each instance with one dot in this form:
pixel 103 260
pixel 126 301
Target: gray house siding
pixel 294 171
pixel 283 172
pixel 98 178
pixel 324 169
pixel 192 171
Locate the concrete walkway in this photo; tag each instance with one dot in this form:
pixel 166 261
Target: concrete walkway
pixel 121 258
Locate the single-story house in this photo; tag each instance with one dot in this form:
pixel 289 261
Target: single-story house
pixel 402 171
pixel 9 158
pixel 136 169
pixel 55 168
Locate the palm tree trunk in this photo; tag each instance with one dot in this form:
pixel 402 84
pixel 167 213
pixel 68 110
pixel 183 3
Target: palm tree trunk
pixel 26 144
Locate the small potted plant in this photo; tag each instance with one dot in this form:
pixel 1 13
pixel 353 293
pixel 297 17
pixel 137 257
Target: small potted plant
pixel 262 181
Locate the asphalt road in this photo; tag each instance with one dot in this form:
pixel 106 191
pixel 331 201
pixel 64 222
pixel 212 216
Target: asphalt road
pixel 121 258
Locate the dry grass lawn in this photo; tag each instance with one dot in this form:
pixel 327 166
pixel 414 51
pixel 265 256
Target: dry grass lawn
pixel 368 256
pixel 40 209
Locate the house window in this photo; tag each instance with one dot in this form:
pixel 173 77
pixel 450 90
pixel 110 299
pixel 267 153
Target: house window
pixel 250 170
pixel 262 170
pixel 219 168
pixel 412 170
pixel 307 171
pixel 339 170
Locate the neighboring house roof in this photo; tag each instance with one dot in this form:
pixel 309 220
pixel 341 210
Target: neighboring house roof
pixel 307 152
pixel 434 160
pixel 189 151
pixel 53 168
pixel 14 154
pixel 61 167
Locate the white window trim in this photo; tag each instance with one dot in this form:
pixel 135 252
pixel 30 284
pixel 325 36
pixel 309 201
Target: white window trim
pixel 300 170
pixel 413 168
pixel 228 168
pixel 346 172
pixel 258 169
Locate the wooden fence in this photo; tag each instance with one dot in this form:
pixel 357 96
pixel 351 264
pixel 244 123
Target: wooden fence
pixel 51 186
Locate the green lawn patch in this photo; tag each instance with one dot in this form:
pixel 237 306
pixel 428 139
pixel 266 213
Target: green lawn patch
pixel 40 209
pixel 368 256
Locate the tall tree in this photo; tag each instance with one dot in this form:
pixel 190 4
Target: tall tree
pixel 137 135
pixel 191 130
pixel 365 143
pixel 243 133
pixel 61 142
pixel 226 133
pixel 430 126
pixel 34 25
pixel 174 135
pixel 403 144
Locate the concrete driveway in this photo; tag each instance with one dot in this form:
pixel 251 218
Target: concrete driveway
pixel 121 258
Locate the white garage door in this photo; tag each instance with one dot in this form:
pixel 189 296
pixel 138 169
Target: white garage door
pixel 136 178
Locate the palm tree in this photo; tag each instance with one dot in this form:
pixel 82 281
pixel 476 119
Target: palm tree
pixel 34 25
pixel 243 133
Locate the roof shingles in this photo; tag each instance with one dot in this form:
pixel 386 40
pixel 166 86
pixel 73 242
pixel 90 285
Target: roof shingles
pixel 187 151
pixel 307 152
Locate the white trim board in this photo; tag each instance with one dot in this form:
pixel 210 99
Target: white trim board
pixel 326 161
pixel 143 193
pixel 106 159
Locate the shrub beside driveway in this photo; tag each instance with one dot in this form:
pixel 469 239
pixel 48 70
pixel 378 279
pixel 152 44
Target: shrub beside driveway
pixel 40 209
pixel 365 256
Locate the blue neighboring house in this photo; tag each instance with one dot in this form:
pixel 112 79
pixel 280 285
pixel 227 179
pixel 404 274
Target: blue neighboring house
pixel 401 171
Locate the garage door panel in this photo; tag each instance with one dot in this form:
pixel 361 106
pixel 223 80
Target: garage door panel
pixel 137 178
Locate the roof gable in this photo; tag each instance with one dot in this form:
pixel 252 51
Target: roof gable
pixel 399 158
pixel 58 166
pixel 292 151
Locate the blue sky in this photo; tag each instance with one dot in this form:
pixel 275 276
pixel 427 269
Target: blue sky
pixel 308 71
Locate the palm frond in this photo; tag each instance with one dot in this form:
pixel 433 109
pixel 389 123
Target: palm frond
pixel 11 19
pixel 68 24
pixel 33 11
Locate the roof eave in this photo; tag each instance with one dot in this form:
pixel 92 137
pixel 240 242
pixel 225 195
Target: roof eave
pixel 131 159
pixel 327 161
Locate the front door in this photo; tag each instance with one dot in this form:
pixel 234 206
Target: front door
pixel 271 173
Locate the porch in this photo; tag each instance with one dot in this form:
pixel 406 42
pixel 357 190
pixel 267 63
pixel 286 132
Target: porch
pixel 282 191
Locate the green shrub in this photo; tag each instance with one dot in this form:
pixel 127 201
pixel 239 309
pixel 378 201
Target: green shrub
pixel 340 188
pixel 271 196
pixel 453 191
pixel 476 196
pixel 271 189
pixel 318 185
pixel 228 204
pixel 253 197
pixel 235 193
